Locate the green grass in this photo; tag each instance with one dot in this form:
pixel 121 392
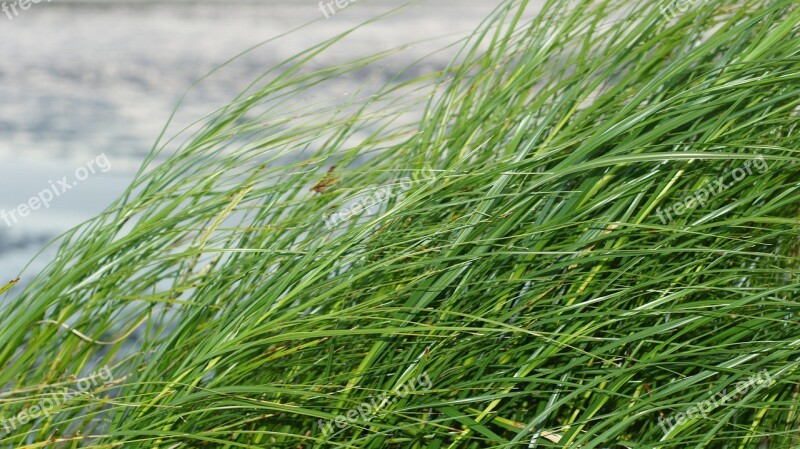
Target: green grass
pixel 529 277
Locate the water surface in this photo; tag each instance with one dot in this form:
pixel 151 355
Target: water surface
pixel 81 79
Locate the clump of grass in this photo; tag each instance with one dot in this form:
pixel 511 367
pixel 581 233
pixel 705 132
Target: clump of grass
pixel 529 277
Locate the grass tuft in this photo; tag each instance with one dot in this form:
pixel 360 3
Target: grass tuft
pixel 542 252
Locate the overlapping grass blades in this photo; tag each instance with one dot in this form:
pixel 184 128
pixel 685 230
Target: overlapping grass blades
pixel 530 276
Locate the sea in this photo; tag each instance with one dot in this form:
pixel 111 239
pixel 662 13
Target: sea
pixel 86 88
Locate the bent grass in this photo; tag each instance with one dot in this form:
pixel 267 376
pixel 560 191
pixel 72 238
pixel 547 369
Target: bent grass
pixel 530 277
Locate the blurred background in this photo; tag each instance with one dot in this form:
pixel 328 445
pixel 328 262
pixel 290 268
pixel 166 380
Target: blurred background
pixel 86 80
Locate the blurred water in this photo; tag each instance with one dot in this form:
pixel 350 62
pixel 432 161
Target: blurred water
pixel 81 79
